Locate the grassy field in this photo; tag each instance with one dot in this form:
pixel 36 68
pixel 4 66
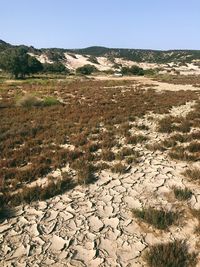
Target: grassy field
pixel 48 123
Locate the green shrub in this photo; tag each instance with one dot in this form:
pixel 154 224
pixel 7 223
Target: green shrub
pixel 50 101
pixel 86 69
pixel 93 59
pixel 18 63
pixel 151 72
pixel 133 70
pixel 57 67
pixel 33 101
pixel 5 213
pixel 182 194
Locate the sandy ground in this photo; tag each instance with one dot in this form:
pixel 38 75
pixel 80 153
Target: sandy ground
pixel 76 61
pixel 160 86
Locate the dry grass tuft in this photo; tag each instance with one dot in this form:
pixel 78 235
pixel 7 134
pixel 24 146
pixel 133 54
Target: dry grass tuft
pixel 160 219
pixel 196 214
pixel 182 194
pixel 135 139
pixel 171 254
pixel 165 125
pixel 193 174
pixel 85 171
pixel 28 101
pixel 107 155
pixel 193 147
pixel 119 168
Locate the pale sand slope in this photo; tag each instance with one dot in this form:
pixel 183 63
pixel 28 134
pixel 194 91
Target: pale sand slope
pixel 73 61
pixel 76 61
pixel 94 226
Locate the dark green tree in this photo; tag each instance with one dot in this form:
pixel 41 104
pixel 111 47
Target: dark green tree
pixel 86 69
pixel 34 66
pixel 19 63
pixel 133 70
pixel 55 68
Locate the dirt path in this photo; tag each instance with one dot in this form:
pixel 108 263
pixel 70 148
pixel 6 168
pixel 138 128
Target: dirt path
pixel 159 86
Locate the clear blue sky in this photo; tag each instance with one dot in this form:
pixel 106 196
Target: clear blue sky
pixel 155 24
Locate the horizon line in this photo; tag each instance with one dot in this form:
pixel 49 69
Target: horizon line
pixel 102 46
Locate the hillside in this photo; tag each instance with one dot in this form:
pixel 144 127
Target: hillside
pixel 112 58
pixel 141 55
pixel 4 46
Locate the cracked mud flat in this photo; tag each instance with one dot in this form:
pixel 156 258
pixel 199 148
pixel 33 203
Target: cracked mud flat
pixel 94 225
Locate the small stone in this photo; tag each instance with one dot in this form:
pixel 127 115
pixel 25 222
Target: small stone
pixel 58 243
pixel 18 211
pixel 66 199
pixel 113 222
pixel 95 224
pixel 33 212
pixel 108 211
pixel 48 229
pixel 104 179
pixel 59 206
pixel 84 255
pixel 66 215
pixel 19 252
pixel 34 230
pixel 114 183
pixel 130 251
pixel 6 249
pixel 42 205
pixel 109 247
pixel 53 215
pixel 132 203
pixel 132 229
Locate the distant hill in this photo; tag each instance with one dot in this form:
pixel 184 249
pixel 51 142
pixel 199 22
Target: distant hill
pixel 4 45
pixel 137 55
pixel 113 59
pixel 141 55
